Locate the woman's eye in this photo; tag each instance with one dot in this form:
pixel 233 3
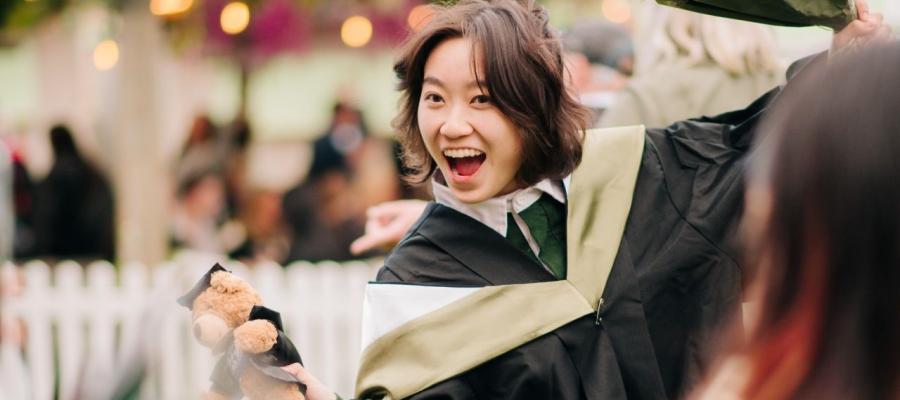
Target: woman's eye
pixel 481 99
pixel 434 98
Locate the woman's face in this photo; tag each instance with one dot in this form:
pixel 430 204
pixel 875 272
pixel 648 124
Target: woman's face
pixel 477 148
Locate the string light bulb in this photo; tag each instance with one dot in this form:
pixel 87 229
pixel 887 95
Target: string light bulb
pixel 356 31
pixel 166 8
pixel 419 16
pixel 617 11
pixel 106 55
pixel 235 17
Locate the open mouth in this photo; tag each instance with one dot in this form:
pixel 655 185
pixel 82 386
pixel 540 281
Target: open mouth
pixel 464 162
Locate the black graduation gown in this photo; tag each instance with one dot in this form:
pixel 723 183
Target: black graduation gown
pixel 675 278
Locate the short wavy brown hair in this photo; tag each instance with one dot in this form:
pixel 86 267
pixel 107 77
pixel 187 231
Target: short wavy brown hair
pixel 523 72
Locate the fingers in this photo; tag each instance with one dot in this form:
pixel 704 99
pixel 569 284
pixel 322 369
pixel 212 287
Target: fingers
pixel 875 30
pixel 301 373
pixel 294 369
pixel 386 223
pixel 859 28
pixel 365 243
pixel 850 34
pixel 862 10
pixel 380 234
pixel 875 18
pixel 394 208
pixel 870 28
pixel 315 390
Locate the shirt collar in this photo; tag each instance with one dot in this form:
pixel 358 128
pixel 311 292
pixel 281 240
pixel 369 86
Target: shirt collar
pixel 492 212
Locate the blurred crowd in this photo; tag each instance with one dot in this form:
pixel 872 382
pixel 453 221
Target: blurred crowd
pixel 70 213
pixel 216 208
pixel 677 65
pixel 218 211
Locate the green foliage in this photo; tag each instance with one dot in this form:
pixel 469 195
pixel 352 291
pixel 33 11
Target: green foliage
pixel 18 16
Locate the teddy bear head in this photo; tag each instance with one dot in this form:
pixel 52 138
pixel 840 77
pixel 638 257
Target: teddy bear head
pixel 219 302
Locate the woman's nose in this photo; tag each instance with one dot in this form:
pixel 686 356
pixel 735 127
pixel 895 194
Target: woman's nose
pixel 456 125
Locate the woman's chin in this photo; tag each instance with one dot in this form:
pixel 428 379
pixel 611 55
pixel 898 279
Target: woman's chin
pixel 470 195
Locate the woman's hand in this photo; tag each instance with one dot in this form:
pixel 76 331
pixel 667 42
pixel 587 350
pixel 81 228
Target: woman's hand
pixel 315 390
pixel 868 28
pixel 386 224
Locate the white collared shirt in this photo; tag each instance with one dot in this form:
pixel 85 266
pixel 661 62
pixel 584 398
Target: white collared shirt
pixel 492 212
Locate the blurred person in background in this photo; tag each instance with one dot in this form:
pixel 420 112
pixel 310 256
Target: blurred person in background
pixel 7 209
pixel 238 137
pixel 599 58
pixel 267 237
pixel 198 219
pixel 203 146
pixel 368 159
pixel 23 188
pixel 823 229
pixel 345 136
pixel 350 171
pixel 321 212
pixel 695 65
pixel 73 209
pixel 211 190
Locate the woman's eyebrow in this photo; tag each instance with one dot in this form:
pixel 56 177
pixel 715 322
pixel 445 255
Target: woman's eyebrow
pixel 437 82
pixel 432 80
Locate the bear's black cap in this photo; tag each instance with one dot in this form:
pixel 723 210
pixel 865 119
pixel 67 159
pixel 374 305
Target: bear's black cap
pixel 188 299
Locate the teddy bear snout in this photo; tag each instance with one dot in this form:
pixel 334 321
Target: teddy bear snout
pixel 209 329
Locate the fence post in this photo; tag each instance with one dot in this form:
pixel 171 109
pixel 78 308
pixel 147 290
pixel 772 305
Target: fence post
pixel 14 382
pixel 39 299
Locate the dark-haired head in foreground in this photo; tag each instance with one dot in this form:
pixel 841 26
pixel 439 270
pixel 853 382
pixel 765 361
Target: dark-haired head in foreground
pixel 823 221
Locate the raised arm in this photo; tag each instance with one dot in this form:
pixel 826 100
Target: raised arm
pixel 739 125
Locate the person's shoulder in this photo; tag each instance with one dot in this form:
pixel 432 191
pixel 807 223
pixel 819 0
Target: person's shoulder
pixel 419 259
pixel 695 142
pixel 408 258
pixel 400 264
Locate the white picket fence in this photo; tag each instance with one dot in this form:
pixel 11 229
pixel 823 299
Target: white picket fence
pixel 88 328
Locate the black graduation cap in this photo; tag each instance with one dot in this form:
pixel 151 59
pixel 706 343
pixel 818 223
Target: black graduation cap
pixel 187 300
pixel 832 13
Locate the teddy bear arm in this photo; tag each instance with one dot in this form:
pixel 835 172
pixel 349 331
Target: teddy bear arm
pixel 256 336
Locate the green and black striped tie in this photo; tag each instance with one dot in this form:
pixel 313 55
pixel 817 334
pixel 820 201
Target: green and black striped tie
pixel 546 220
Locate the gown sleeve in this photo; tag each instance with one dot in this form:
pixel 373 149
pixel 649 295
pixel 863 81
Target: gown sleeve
pixel 688 199
pixel 705 161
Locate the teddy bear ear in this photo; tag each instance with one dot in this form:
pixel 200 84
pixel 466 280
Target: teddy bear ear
pixel 187 300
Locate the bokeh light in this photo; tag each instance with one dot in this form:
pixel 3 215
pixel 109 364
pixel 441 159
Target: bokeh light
pixel 106 55
pixel 618 11
pixel 419 16
pixel 235 17
pixel 356 31
pixel 170 7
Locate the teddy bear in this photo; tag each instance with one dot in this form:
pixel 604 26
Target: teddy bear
pixel 228 317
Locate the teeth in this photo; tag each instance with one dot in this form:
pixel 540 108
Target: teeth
pixel 462 153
